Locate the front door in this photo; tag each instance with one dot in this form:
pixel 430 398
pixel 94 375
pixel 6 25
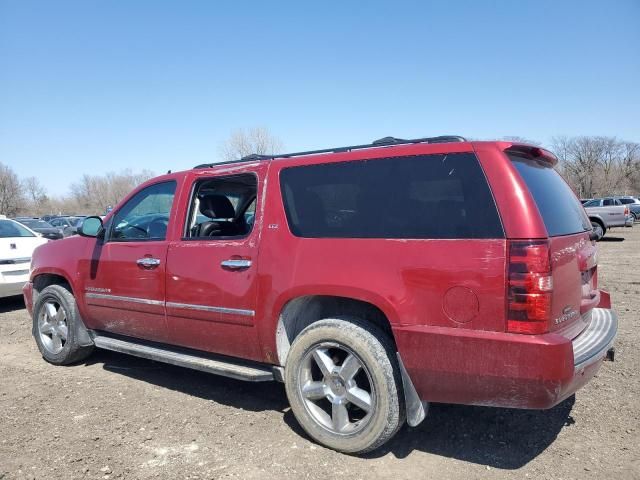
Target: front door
pixel 211 271
pixel 124 278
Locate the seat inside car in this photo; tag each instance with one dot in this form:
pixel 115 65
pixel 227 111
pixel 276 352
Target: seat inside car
pixel 219 209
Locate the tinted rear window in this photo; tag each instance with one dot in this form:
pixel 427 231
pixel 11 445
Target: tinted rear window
pixel 561 211
pixel 434 196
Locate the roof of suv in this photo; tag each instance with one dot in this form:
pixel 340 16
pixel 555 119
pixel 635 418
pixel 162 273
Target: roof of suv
pixel 381 142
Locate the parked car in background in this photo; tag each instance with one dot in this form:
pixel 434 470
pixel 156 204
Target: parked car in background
pixel 605 213
pixel 370 279
pixel 17 243
pixel 40 226
pixel 67 224
pixel 634 206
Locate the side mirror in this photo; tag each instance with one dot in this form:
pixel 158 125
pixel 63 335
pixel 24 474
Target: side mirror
pixel 90 227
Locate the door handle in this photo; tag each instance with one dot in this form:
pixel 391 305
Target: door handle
pixel 235 264
pixel 148 262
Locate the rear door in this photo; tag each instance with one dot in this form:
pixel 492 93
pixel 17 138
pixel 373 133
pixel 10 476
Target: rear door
pixel 573 255
pixel 124 277
pixel 212 270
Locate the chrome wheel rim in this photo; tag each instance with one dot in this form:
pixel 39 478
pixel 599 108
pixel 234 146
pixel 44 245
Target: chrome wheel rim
pixel 597 229
pixel 52 326
pixel 336 388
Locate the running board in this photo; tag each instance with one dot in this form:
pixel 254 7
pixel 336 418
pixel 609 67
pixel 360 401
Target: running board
pixel 223 366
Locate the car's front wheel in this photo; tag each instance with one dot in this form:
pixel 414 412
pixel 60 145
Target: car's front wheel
pixel 344 386
pixel 54 326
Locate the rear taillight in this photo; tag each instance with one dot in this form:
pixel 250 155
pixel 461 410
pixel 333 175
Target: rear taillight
pixel 530 287
pixel 626 211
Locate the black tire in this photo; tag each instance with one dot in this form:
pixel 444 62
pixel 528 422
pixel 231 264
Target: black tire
pixel 70 351
pixel 599 229
pixel 378 375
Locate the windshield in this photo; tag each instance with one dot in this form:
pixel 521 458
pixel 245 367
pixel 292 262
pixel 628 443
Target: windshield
pixel 9 229
pixel 561 211
pixel 73 221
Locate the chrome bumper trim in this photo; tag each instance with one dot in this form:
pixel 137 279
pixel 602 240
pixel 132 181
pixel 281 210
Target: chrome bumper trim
pixel 592 344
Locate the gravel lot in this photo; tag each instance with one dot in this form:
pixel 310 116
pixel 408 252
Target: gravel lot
pixel 121 417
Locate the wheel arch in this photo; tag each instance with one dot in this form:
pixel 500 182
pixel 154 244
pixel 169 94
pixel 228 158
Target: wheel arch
pixel 597 219
pixel 301 311
pixel 43 279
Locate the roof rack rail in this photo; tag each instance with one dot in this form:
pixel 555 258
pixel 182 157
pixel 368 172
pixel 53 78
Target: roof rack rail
pixel 385 141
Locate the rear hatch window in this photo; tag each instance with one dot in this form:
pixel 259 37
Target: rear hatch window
pixel 574 280
pixel 560 209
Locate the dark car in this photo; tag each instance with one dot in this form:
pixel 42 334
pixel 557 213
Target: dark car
pixel 40 226
pixel 634 205
pixel 67 224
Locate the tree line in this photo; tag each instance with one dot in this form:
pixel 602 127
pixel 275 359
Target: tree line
pixel 598 166
pixel 593 165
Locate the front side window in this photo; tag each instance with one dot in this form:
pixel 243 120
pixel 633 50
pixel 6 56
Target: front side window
pixel 592 203
pixel 222 207
pixel 145 216
pixel 609 202
pixel 9 229
pixel 425 196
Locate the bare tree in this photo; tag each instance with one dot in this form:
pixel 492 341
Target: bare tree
pixel 599 166
pixel 94 193
pixel 254 140
pixel 11 197
pixel 36 199
pixel 630 164
pixel 515 138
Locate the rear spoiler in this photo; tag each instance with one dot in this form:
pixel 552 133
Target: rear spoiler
pixel 535 153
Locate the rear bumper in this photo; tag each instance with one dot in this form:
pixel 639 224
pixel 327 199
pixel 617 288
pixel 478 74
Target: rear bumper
pixel 452 365
pixel 592 344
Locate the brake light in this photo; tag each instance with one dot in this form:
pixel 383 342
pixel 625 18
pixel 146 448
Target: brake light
pixel 530 287
pixel 626 211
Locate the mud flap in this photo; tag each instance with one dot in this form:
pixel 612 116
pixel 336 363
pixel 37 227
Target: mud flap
pixel 416 408
pixel 82 334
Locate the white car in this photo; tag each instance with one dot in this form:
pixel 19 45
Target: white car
pixel 17 244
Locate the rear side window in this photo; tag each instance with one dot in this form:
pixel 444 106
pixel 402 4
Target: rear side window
pixel 561 211
pixel 426 196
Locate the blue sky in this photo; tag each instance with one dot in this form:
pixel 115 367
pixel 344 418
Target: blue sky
pixel 95 86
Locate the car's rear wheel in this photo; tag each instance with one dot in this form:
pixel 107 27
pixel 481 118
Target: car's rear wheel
pixel 55 314
pixel 598 230
pixel 344 386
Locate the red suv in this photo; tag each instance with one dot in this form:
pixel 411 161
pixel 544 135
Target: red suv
pixel 370 279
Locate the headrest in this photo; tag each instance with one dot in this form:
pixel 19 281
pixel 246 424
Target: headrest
pixel 216 206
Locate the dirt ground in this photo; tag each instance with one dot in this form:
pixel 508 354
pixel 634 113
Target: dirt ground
pixel 121 417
